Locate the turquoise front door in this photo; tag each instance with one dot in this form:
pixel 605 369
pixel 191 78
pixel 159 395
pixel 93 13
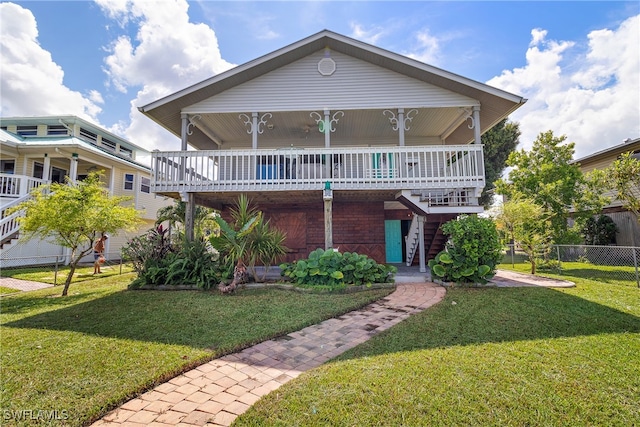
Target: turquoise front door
pixel 393 241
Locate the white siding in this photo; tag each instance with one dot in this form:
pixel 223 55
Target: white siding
pixel 355 84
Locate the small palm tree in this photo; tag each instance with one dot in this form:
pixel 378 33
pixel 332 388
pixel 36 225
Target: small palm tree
pixel 265 245
pixel 175 215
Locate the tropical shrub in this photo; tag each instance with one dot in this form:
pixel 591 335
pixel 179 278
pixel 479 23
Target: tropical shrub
pixel 148 248
pixel 192 264
pixel 333 270
pixel 472 252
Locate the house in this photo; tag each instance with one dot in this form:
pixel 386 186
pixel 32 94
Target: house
pixel 38 150
pixel 340 143
pixel 627 222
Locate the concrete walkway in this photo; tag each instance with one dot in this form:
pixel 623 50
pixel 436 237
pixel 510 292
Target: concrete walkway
pixel 22 285
pixel 215 393
pixel 510 279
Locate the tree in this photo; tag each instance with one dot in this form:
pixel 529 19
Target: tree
pixel 547 176
pixel 499 142
pixel 526 224
pixel 74 215
pixel 623 178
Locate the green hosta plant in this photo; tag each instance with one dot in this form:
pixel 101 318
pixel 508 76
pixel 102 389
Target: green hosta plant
pixel 471 254
pixel 335 270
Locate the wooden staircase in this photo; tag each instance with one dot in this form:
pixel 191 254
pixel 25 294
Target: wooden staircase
pixel 434 238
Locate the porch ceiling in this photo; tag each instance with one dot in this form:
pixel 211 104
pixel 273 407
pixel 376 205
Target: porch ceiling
pixel 298 127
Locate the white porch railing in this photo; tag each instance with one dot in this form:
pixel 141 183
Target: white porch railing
pixel 424 167
pixel 18 189
pixel 18 185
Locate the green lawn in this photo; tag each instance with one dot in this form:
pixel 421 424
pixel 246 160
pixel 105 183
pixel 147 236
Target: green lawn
pixel 490 356
pixel 86 353
pixel 47 274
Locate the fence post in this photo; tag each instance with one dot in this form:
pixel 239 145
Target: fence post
pixel 635 264
pixel 55 274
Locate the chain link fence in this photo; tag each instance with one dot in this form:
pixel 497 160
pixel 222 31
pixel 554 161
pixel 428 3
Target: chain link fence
pixel 608 263
pixel 54 268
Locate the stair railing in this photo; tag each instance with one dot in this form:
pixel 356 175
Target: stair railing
pixel 412 239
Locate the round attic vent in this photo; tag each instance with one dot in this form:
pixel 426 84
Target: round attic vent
pixel 326 66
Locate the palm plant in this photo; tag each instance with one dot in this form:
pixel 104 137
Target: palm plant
pixel 265 246
pixel 203 223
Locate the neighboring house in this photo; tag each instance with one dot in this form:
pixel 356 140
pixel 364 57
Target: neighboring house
pixel 38 150
pixel 627 222
pixel 340 143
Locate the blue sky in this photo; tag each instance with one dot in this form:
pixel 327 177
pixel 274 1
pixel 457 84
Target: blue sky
pixel 578 63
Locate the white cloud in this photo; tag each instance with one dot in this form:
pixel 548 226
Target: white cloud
pixel 428 48
pixel 370 36
pixel 595 101
pixel 32 82
pixel 169 53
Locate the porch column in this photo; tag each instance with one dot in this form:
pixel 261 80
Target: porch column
pixel 327 196
pixel 73 168
pixel 401 127
pixel 327 144
pixel 476 125
pixel 254 130
pixel 189 215
pixel 184 130
pixel 46 168
pixel 423 255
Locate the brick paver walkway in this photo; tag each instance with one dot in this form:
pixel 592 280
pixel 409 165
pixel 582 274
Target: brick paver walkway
pixel 215 393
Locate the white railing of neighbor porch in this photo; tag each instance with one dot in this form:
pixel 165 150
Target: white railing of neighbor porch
pixel 299 169
pixel 17 185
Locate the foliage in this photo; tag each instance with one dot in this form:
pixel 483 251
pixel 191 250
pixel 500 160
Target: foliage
pixel 471 253
pixel 526 224
pixel 248 238
pixel 233 240
pixel 193 263
pixel 498 143
pixel 265 247
pixel 601 231
pixel 622 177
pixel 335 270
pixel 74 215
pixel 152 246
pixel 204 222
pixel 547 176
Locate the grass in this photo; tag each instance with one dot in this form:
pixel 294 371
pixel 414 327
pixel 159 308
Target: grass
pixel 491 356
pixel 4 290
pixel 46 274
pixel 86 353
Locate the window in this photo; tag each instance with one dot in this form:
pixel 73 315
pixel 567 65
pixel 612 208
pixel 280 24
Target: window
pixel 27 130
pixel 88 135
pixel 38 170
pixel 145 185
pixel 126 151
pixel 128 181
pixel 108 144
pixel 57 130
pixel 7 166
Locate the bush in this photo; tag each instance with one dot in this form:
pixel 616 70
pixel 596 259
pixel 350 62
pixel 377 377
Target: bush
pixel 472 252
pixel 601 231
pixel 193 264
pixel 334 270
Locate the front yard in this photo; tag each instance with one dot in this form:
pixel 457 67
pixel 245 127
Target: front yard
pixel 81 355
pixel 501 356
